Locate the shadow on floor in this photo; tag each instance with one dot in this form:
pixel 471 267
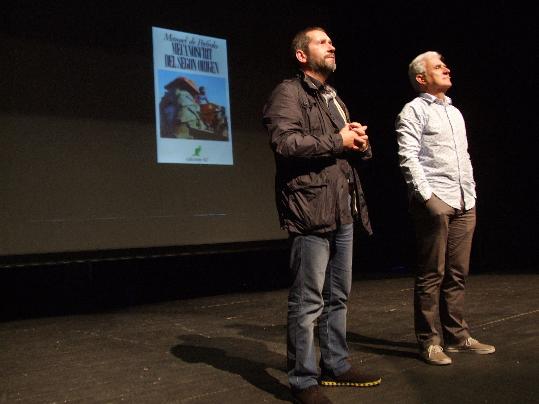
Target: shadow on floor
pixel 237 356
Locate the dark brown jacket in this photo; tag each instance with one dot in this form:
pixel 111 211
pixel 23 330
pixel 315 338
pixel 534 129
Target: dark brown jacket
pixel 314 176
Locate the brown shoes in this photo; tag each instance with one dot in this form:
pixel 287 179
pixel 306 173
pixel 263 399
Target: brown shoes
pixel 310 395
pixel 351 378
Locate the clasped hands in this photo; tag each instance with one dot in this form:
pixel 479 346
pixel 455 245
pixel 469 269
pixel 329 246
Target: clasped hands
pixel 354 137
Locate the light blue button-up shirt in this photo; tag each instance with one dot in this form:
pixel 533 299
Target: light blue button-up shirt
pixel 433 151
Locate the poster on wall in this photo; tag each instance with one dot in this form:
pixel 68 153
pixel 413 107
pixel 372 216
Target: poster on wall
pixel 192 103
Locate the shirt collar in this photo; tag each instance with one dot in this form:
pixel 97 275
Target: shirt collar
pixel 325 89
pixel 432 99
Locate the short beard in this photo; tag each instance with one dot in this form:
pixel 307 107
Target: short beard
pixel 323 68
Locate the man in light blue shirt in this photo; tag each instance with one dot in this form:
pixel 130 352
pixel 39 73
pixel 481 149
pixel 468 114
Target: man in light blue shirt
pixel 434 159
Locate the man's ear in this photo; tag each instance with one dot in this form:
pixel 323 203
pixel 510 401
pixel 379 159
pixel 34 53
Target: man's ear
pixel 420 78
pixel 301 56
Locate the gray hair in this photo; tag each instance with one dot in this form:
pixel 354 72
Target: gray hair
pixel 417 66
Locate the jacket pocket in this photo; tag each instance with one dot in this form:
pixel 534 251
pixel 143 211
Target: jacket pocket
pixel 311 206
pixel 312 118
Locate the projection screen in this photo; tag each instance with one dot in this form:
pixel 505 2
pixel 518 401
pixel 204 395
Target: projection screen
pixel 85 163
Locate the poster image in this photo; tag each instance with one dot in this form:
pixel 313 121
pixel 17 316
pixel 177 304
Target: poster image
pixel 192 104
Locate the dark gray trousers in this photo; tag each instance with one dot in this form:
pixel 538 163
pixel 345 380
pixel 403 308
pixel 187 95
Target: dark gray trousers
pixel 444 240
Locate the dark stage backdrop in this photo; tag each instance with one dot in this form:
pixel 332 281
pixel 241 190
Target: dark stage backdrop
pixel 78 167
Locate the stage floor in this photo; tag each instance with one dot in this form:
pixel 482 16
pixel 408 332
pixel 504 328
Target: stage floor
pixel 231 349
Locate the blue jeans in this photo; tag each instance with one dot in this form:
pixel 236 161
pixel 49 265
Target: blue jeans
pixel 322 277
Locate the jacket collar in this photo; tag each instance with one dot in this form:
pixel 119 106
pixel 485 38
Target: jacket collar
pixel 322 89
pixel 313 84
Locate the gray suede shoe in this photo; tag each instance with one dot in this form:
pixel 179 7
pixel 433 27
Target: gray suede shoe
pixel 434 355
pixel 471 345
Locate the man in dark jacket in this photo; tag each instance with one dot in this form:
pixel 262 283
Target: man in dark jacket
pixel 319 196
